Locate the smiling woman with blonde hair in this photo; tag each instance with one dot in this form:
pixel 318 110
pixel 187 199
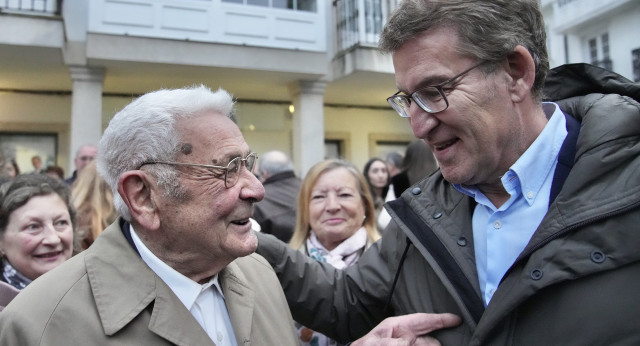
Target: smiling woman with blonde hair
pixel 335 221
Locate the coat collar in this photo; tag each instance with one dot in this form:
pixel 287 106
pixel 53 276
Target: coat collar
pixel 124 287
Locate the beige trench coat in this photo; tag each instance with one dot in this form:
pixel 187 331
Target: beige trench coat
pixel 107 295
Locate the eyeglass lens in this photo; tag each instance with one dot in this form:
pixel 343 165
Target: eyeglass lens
pixel 430 99
pixel 233 168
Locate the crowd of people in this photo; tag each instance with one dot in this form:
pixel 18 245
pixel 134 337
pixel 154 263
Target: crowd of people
pixel 510 220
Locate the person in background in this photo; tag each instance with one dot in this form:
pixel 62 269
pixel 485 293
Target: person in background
pixel 93 201
pixel 177 267
pixel 84 155
pixel 7 293
pixel 276 213
pixel 55 172
pixel 3 160
pixel 10 169
pixel 36 161
pixel 377 176
pixel 335 222
pixel 418 163
pixel 394 163
pixel 528 231
pixel 36 227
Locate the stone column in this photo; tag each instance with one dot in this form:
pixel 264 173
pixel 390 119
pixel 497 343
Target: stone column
pixel 86 109
pixel 308 124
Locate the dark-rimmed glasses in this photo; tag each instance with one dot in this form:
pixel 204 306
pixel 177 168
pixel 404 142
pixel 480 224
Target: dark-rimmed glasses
pixel 431 99
pixel 231 171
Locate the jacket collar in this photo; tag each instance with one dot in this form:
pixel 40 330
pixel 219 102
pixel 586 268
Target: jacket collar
pixel 124 287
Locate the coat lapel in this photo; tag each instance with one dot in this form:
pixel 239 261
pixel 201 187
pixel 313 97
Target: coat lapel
pixel 172 321
pixel 240 300
pixel 124 287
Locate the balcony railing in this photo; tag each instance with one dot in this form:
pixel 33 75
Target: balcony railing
pixel 359 22
pixel 40 7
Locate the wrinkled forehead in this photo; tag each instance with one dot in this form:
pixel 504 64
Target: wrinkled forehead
pixel 211 134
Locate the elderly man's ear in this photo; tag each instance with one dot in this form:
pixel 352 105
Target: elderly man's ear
pixel 135 189
pixel 521 68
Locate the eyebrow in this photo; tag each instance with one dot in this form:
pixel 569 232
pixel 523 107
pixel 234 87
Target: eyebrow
pixel 428 81
pixel 227 158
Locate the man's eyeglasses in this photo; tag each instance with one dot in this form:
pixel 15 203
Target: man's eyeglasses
pixel 231 171
pixel 431 99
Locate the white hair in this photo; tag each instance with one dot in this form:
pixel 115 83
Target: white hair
pixel 144 131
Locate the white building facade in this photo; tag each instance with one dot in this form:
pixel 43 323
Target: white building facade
pixel 306 73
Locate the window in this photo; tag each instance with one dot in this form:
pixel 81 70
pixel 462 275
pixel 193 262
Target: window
pixel 635 61
pixel 333 149
pixel 593 51
pixel 337 145
pixel 606 60
pixel 23 146
pixel 297 5
pixel 600 57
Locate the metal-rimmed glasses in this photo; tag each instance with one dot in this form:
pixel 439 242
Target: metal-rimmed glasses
pixel 431 99
pixel 231 171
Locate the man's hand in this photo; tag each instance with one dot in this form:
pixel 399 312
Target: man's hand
pixel 408 330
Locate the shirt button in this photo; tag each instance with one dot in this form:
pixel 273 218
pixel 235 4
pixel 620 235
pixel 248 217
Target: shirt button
pixel 497 225
pixel 219 335
pixel 530 195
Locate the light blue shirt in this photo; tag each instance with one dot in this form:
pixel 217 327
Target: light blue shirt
pixel 500 234
pixel 205 302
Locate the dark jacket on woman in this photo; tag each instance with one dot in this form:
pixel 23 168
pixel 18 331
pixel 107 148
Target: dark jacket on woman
pixel 575 283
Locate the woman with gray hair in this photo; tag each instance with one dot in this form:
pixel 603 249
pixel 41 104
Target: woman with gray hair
pixel 36 227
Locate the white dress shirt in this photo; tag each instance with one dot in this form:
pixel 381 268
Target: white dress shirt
pixel 205 302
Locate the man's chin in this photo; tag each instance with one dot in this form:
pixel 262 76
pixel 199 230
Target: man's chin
pixel 247 245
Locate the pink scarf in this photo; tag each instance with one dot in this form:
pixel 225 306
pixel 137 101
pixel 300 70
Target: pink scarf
pixel 344 255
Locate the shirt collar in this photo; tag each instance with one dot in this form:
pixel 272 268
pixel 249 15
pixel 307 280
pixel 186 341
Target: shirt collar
pixel 184 288
pixel 537 162
pixel 529 172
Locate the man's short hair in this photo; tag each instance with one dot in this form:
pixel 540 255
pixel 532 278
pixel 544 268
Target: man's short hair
pixel 144 131
pixel 488 30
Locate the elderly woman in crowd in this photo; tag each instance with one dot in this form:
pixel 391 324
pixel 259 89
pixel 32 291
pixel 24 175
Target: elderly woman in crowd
pixel 335 221
pixel 36 227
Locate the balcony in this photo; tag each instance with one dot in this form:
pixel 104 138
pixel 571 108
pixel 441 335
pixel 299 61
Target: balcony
pixel 572 15
pixel 359 22
pixel 211 21
pixel 358 25
pixel 31 7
